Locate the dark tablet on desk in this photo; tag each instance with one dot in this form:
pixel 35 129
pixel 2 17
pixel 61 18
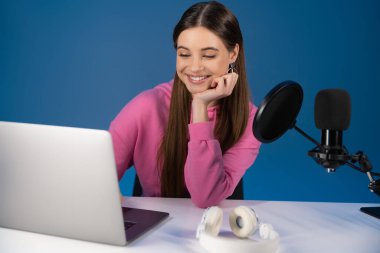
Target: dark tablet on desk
pixel 373 211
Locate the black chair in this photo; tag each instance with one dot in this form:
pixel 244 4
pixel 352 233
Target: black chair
pixel 237 194
pixel 137 189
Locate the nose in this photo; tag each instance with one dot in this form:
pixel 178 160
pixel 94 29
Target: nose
pixel 196 64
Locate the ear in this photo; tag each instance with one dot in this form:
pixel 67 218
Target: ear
pixel 234 53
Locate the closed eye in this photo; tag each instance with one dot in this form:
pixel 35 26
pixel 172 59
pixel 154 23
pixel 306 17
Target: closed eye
pixel 184 55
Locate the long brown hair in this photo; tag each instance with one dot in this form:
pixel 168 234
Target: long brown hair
pixel 233 111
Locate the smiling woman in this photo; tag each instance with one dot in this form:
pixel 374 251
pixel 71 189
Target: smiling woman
pixel 202 57
pixel 191 137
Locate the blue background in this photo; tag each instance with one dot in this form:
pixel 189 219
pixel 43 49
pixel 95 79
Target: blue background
pixel 77 63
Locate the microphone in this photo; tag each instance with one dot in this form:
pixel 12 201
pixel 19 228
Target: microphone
pixel 332 111
pixel 278 112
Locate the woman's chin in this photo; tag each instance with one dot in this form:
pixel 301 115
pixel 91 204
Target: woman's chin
pixel 197 88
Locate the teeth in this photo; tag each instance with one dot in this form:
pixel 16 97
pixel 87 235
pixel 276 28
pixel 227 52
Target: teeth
pixel 197 78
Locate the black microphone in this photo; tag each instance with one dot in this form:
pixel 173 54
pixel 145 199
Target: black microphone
pixel 332 115
pixel 278 112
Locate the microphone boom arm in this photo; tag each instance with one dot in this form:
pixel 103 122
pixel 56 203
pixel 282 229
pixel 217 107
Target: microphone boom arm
pixel 360 157
pixel 299 130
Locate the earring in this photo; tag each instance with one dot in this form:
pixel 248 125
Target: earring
pixel 232 67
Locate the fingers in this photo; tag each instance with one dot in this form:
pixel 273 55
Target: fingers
pixel 220 87
pixel 214 84
pixel 231 80
pixel 224 85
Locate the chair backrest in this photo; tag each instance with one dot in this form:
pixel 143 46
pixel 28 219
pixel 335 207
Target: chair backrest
pixel 237 194
pixel 137 189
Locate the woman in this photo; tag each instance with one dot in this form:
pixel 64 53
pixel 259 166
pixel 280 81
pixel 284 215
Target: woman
pixel 193 135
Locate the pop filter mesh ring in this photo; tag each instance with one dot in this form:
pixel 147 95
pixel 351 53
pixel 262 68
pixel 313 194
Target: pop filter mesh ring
pixel 278 111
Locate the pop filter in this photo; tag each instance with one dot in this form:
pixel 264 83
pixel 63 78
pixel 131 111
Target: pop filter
pixel 278 111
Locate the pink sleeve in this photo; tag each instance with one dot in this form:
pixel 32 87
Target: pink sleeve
pixel 210 176
pixel 124 130
pixel 122 142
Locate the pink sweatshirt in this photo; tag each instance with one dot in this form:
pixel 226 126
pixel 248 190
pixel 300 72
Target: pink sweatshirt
pixel 210 177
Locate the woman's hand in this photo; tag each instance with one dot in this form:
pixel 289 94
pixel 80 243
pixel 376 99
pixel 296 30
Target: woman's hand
pixel 220 87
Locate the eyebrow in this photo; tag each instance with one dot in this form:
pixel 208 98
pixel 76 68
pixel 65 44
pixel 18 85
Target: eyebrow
pixel 203 49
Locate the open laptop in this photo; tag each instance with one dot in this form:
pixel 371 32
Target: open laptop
pixel 62 181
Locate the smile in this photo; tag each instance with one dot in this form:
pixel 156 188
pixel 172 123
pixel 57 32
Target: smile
pixel 197 79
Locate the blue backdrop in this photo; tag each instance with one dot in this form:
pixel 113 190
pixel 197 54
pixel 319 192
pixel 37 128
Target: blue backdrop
pixel 77 63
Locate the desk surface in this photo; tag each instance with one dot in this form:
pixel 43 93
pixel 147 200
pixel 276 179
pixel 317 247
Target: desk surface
pixel 303 227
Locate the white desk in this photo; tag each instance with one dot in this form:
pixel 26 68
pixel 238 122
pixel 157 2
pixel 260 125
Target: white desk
pixel 303 227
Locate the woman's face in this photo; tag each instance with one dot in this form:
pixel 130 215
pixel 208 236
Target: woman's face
pixel 201 57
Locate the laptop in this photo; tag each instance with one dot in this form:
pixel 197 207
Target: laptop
pixel 62 181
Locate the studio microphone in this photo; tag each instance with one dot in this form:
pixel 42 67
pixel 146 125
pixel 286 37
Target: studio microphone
pixel 332 115
pixel 278 111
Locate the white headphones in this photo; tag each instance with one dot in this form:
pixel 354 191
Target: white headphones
pixel 243 223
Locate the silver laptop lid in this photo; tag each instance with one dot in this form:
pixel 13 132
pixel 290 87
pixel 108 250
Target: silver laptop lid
pixel 60 181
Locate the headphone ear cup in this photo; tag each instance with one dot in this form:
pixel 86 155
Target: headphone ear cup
pixel 211 221
pixel 243 221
